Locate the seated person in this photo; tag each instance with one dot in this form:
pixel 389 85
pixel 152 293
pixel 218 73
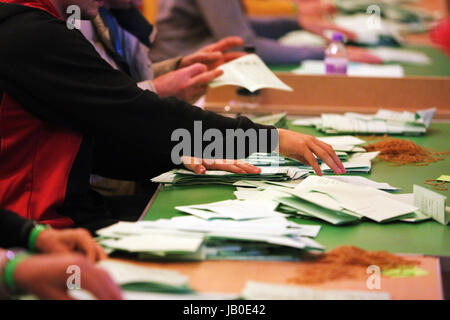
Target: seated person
pixel 67 114
pixel 186 78
pixel 184 26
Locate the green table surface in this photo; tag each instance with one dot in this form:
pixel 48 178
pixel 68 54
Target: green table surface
pixel 430 237
pixel 439 67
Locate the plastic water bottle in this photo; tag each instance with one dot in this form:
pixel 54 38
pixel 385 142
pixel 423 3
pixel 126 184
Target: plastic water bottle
pixel 336 59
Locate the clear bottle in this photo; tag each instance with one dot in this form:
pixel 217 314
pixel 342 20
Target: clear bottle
pixel 336 59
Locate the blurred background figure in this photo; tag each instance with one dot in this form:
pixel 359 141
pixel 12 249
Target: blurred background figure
pixel 187 25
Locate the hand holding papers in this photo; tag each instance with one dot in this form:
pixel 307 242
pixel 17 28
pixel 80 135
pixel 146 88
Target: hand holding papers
pixel 249 72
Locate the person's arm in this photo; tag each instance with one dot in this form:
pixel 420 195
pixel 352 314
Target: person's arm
pixel 14 230
pixel 3 260
pixel 18 232
pixel 227 18
pixel 58 76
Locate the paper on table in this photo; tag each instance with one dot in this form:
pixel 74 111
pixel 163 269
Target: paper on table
pixel 342 140
pixel 443 177
pixel 372 203
pixel 282 227
pixel 363 157
pixel 126 273
pixel 400 55
pixel 237 209
pixel 249 72
pixel 307 122
pixel 351 166
pixel 155 243
pixel 354 69
pixel 266 291
pixel 432 204
pixel 408 198
pixel 361 181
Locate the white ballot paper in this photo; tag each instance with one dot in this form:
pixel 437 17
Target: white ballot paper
pixel 369 202
pixel 312 67
pixel 249 72
pixel 265 291
pixel 124 273
pixel 361 181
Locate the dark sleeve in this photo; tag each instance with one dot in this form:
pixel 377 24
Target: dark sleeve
pixel 58 76
pixel 14 230
pixel 227 18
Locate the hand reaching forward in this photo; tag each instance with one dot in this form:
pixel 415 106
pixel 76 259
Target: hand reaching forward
pixel 303 147
pixel 70 240
pixel 188 84
pixel 46 277
pixel 215 54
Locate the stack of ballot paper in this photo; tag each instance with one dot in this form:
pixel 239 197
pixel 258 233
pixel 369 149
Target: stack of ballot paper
pixel 340 203
pixel 268 291
pixel 186 177
pixel 132 277
pixel 354 69
pixel 400 55
pixel 216 231
pixel 249 72
pixel 384 33
pixel 387 9
pixel 277 120
pixel 383 122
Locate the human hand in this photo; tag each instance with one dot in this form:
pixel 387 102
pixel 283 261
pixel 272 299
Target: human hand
pixel 303 147
pixel 70 240
pixel 200 166
pixel 361 55
pixel 46 277
pixel 188 84
pixel 319 27
pixel 214 54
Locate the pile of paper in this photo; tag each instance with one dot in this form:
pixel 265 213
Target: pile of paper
pixel 225 231
pixel 186 177
pixel 267 291
pixel 388 10
pixel 400 55
pixel 132 277
pixel 316 67
pixel 339 202
pixel 370 31
pixel 383 122
pixel 249 72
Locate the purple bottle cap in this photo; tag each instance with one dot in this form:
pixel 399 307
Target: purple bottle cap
pixel 338 37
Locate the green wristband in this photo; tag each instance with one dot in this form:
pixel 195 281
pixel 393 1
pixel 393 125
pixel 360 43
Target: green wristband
pixel 10 268
pixel 34 234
